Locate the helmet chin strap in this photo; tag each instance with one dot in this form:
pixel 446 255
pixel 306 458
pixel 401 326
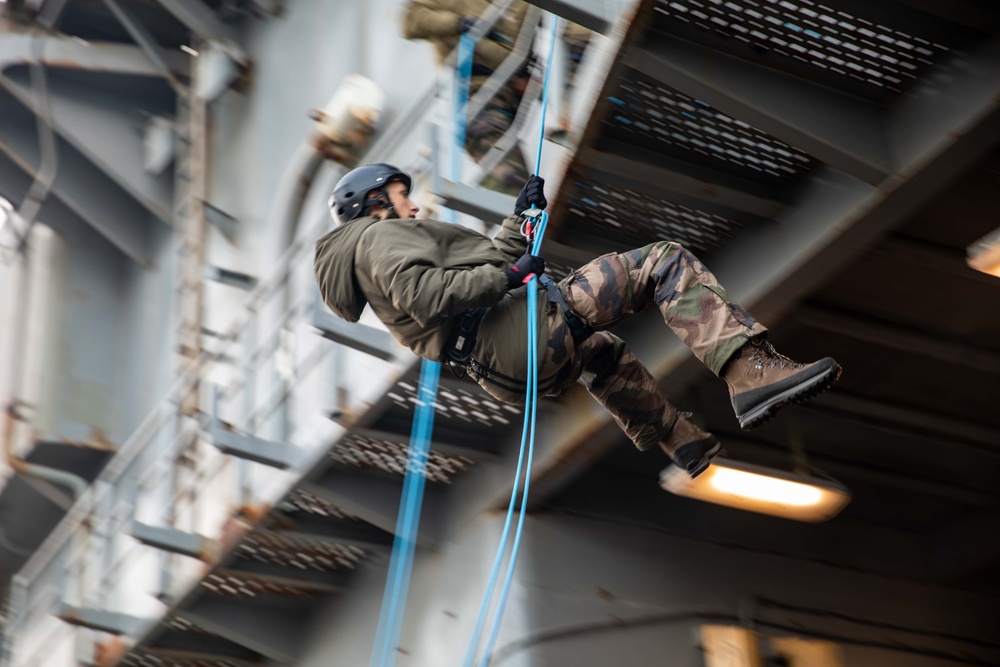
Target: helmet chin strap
pixel 382 199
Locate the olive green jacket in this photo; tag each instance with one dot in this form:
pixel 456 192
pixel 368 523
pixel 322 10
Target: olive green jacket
pixel 420 275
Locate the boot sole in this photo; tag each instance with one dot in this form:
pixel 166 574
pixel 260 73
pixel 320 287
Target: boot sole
pixel 706 460
pixel 703 462
pixel 800 393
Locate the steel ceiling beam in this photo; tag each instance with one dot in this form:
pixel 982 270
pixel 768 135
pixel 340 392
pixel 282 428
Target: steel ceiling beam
pixel 336 531
pixel 85 118
pixel 931 256
pixel 271 631
pixel 958 11
pixel 985 438
pixel 200 20
pixel 375 498
pixel 21 47
pixel 596 15
pixel 900 338
pixel 145 40
pixel 624 166
pixel 172 656
pixel 363 536
pixel 69 205
pixel 966 547
pixel 841 130
pixel 190 645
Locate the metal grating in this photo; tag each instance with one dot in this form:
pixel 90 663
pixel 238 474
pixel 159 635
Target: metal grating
pixel 458 404
pixel 363 452
pixel 309 503
pixel 243 586
pixel 182 624
pixel 143 659
pixel 651 115
pixel 303 553
pixel 815 34
pixel 614 212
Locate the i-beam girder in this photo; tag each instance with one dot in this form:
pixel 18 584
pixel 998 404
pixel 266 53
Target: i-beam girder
pixel 76 195
pixel 274 631
pixel 841 130
pixel 85 117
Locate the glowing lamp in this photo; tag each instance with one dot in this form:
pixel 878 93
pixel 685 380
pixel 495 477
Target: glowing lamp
pixel 758 489
pixel 984 254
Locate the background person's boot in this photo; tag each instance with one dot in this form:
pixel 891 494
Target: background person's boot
pixel 761 381
pixel 689 447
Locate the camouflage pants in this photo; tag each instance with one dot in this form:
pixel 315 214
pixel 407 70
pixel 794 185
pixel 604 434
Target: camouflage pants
pixel 693 305
pixel 483 132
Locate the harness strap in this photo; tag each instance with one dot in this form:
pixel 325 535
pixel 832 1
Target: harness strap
pixel 579 329
pixel 462 340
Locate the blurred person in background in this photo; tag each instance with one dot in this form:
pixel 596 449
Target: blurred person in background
pixel 442 23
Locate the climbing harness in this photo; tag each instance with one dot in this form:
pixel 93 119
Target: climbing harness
pixel 462 341
pixel 458 352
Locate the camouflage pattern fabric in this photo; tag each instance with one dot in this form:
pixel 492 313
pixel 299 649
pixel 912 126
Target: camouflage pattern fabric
pixel 619 382
pixel 693 304
pixel 482 133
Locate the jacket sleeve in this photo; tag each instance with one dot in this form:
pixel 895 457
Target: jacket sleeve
pixel 509 240
pixel 427 293
pixel 422 20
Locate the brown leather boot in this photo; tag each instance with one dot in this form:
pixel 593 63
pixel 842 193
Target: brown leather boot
pixel 689 447
pixel 761 381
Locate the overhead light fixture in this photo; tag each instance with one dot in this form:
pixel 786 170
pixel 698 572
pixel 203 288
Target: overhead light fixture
pixel 758 489
pixel 187 49
pixel 984 254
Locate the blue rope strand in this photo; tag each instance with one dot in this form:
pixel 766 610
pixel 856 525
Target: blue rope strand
pixel 466 48
pixel 528 433
pixel 408 520
pixel 390 624
pixel 545 95
pixel 532 412
pixel 470 652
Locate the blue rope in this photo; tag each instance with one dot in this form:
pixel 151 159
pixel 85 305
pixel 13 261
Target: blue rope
pixel 466 48
pixel 528 433
pixel 390 622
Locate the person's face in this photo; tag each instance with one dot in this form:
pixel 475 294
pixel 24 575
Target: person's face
pixel 399 195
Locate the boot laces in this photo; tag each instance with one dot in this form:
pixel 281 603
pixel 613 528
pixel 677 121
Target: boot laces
pixel 764 353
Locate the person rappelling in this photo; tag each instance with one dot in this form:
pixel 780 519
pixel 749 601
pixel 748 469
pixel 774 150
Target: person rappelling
pixel 455 296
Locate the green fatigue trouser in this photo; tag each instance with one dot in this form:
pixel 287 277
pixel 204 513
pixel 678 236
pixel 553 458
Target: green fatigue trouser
pixel 694 306
pixel 482 133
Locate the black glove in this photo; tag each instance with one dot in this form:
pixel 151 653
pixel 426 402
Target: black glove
pixel 523 268
pixel 531 193
pixel 467 23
